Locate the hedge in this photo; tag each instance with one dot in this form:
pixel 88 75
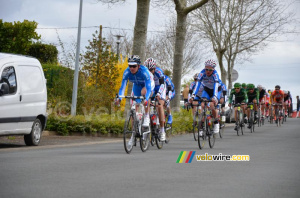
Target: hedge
pixel 105 124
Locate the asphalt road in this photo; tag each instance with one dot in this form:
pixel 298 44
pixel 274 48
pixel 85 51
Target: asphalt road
pixel 103 169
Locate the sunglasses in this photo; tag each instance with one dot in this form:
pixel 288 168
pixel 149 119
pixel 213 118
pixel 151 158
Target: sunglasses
pixel 277 89
pixel 209 70
pixel 132 66
pixel 251 89
pixel 236 88
pixel 152 69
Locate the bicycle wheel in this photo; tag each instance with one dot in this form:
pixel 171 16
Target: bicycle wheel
pixel 242 127
pixel 222 126
pixel 158 142
pixel 145 137
pixel 168 129
pixel 211 137
pixel 129 132
pixel 195 125
pixel 202 139
pixel 152 135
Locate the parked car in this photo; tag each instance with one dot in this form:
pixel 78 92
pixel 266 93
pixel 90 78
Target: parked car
pixel 23 97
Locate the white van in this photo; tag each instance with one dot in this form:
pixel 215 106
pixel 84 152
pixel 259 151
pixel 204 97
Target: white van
pixel 23 97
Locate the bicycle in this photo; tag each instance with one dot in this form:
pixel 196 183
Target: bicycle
pixel 155 126
pixel 278 114
pixel 251 118
pixel 133 129
pixel 207 125
pixel 240 119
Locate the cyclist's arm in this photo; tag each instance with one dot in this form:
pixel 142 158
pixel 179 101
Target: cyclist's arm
pixel 147 85
pixel 257 96
pixel 162 85
pixel 216 86
pixel 246 96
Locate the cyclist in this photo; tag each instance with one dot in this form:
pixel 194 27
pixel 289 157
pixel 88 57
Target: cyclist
pixel 240 97
pixel 287 102
pixel 159 92
pixel 267 102
pixel 277 96
pixel 244 86
pixel 143 84
pixel 253 97
pixel 209 78
pixel 262 99
pixel 192 87
pixel 169 96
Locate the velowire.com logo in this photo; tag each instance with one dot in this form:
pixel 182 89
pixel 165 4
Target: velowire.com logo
pixel 187 157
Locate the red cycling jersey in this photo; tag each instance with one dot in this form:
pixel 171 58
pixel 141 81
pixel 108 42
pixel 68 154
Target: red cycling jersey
pixel 277 96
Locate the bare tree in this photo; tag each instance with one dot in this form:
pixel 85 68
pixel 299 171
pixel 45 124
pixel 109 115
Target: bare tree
pixel 161 47
pixel 182 11
pixel 240 28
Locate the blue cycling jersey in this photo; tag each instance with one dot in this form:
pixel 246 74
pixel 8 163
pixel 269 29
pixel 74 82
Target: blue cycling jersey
pixel 170 83
pixel 140 78
pixel 158 74
pixel 209 82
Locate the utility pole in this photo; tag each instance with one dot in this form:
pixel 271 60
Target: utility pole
pixel 75 82
pixel 99 56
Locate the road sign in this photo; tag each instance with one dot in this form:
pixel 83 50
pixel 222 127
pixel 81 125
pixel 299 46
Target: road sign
pixel 234 75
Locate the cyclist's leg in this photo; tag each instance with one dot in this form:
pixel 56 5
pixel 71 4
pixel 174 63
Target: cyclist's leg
pixel 161 113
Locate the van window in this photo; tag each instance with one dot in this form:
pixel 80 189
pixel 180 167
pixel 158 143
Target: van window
pixel 9 76
pixel 32 81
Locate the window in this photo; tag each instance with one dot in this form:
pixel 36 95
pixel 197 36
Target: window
pixel 9 76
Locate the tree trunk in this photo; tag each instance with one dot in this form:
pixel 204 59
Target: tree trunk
pixel 140 35
pixel 178 56
pixel 220 55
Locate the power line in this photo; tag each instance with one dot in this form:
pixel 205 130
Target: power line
pixel 86 27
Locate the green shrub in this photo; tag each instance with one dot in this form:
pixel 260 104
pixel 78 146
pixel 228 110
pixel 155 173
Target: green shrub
pixel 43 52
pixel 105 123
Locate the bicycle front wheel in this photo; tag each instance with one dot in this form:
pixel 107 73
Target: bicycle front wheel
pixel 129 133
pixel 195 125
pixel 168 129
pixel 158 142
pixel 211 138
pixel 145 138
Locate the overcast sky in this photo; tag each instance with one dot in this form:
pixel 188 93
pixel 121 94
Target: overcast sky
pixel 279 63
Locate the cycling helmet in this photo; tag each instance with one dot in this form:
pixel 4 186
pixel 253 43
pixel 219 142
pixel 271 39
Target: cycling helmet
pixel 277 87
pixel 150 63
pixel 210 63
pixel 250 86
pixel 134 59
pixel 237 85
pixel 196 76
pixel 244 85
pixel 285 92
pixel 259 86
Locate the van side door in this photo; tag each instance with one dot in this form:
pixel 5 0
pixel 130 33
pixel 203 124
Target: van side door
pixel 9 103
